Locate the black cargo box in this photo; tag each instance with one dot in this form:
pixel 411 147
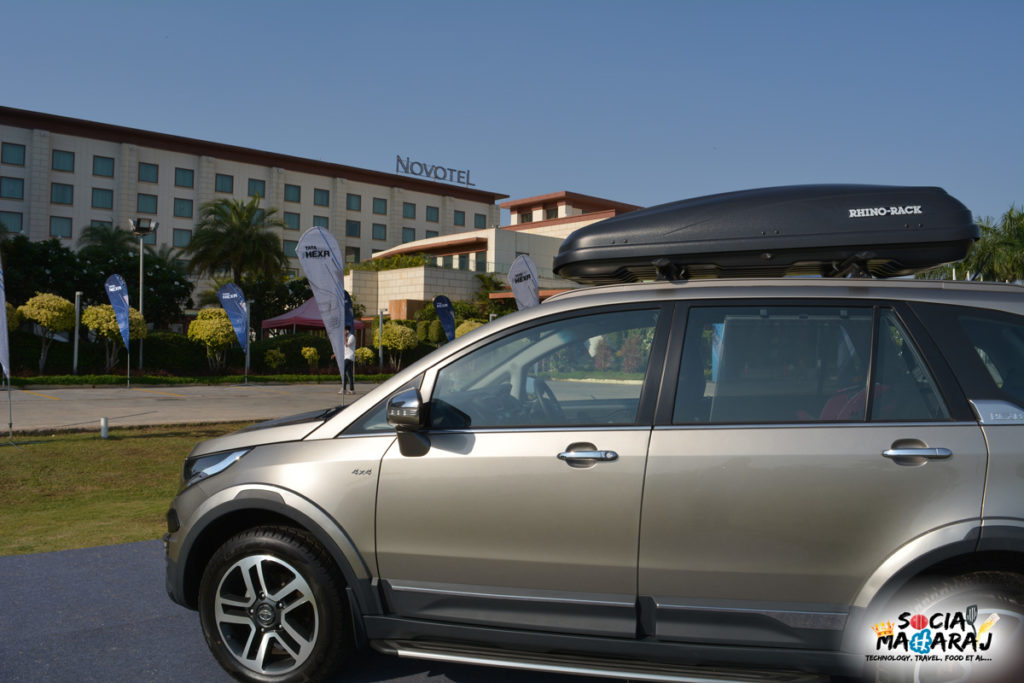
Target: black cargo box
pixel 830 230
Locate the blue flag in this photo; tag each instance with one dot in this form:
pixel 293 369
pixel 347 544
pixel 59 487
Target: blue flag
pixel 349 315
pixel 117 290
pixel 233 301
pixel 445 314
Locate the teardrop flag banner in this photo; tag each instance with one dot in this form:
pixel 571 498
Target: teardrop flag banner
pixel 522 277
pixel 233 301
pixel 117 291
pixel 320 257
pixel 443 306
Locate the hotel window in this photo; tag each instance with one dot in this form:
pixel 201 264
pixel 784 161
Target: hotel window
pixel 102 199
pixel 524 217
pixel 12 154
pixel 433 214
pixel 63 161
pixel 184 177
pixel 291 220
pixel 257 188
pixel 321 197
pixel 431 233
pixel 550 214
pixel 146 203
pixel 103 166
pixel 463 261
pixel 460 218
pixel 380 206
pixel 351 254
pixel 289 248
pixel 292 193
pixel 60 226
pixel 11 220
pixel 62 193
pixel 408 210
pixel 12 188
pixel 354 202
pixel 352 228
pixel 101 224
pixel 481 262
pixel 446 262
pixel 182 238
pixel 148 173
pixel 408 235
pixel 182 208
pixel 224 183
pixel 479 220
pixel 320 221
pixel 380 231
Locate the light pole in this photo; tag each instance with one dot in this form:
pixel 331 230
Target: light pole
pixel 142 227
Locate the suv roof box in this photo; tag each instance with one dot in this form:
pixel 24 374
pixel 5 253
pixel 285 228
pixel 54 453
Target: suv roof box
pixel 829 230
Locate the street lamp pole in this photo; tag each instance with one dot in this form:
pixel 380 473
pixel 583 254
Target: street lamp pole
pixel 142 227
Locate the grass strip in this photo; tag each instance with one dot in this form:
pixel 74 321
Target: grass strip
pixel 77 490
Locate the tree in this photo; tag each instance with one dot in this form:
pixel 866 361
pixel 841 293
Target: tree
pixel 102 320
pixel 397 339
pixel 237 237
pixel 997 256
pixel 31 267
pixel 213 329
pixel 106 239
pixel 54 314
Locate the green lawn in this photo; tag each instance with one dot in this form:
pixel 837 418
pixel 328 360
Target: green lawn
pixel 77 490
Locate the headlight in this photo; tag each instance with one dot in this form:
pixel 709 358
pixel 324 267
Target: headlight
pixel 199 468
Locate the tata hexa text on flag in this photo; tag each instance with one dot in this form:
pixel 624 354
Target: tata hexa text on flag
pixel 320 257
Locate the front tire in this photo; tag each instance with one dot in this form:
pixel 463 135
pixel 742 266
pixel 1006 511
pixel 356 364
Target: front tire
pixel 273 609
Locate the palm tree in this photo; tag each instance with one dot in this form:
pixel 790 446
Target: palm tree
pixel 236 236
pixel 107 239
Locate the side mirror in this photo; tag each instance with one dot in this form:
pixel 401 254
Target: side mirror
pixel 406 411
pixel 407 414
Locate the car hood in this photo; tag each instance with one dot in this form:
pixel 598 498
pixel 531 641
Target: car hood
pixel 290 428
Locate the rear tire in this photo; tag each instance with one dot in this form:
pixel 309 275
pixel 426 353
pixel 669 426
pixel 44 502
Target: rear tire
pixel 991 593
pixel 273 609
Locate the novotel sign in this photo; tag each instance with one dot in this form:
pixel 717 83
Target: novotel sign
pixel 432 171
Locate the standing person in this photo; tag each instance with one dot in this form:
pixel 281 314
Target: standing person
pixel 348 378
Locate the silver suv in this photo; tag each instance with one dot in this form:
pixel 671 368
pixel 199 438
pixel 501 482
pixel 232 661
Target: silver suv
pixel 685 479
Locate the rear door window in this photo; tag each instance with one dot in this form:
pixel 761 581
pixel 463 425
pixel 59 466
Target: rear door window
pixel 786 364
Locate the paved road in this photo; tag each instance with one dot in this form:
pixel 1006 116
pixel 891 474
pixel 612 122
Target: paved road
pixel 61 408
pixel 101 614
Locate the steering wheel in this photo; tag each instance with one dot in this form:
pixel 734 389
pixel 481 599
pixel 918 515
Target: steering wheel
pixel 548 403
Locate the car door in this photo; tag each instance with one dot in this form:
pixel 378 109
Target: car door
pixel 807 445
pixel 524 511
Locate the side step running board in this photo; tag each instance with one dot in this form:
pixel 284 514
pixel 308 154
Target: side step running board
pixel 586 666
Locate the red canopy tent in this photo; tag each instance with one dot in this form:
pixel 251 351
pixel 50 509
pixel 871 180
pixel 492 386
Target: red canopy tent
pixel 305 317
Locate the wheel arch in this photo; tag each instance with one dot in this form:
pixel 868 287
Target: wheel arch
pixel 251 508
pixel 949 551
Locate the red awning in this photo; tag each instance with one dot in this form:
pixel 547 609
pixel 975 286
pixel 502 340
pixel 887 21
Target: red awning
pixel 306 315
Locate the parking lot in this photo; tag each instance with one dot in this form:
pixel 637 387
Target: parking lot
pixel 44 408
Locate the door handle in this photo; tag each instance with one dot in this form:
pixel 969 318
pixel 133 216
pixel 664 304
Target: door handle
pixel 913 457
pixel 587 456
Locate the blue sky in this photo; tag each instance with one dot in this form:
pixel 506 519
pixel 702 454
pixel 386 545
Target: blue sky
pixel 642 102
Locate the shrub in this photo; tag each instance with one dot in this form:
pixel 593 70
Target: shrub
pixel 365 356
pixel 213 329
pixel 312 356
pixel 467 326
pixel 274 358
